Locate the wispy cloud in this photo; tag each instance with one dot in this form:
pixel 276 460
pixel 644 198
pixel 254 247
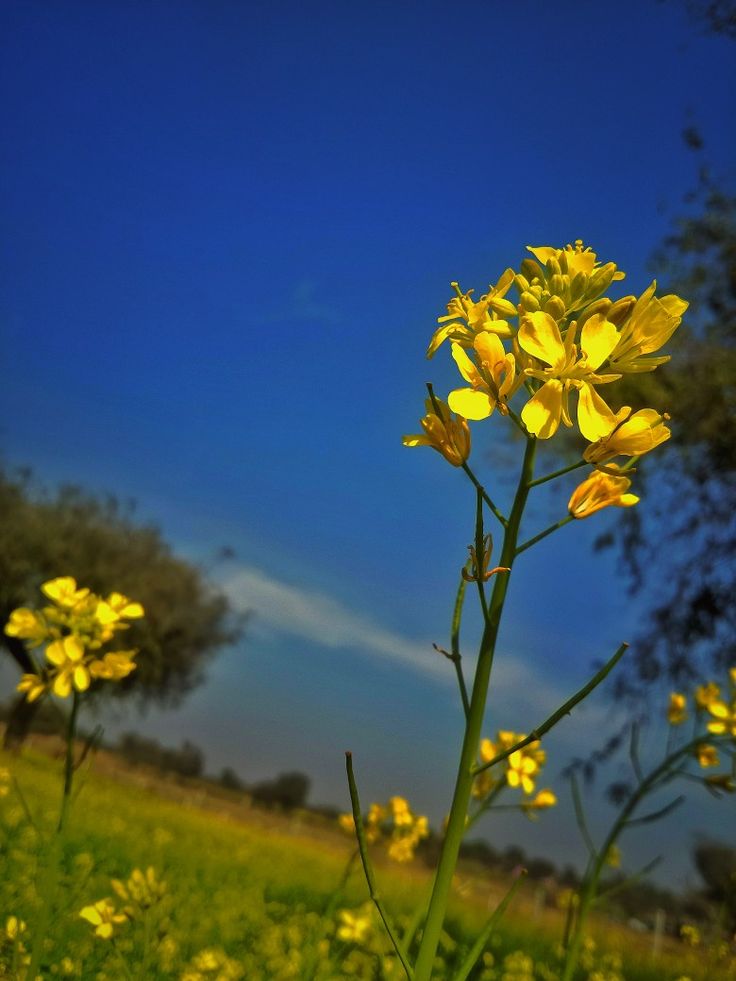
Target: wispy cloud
pixel 288 609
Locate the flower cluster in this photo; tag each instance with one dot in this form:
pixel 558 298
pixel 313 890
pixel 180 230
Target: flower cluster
pixel 73 628
pixel 522 769
pixel 395 823
pixel 721 715
pixel 140 892
pixel 561 341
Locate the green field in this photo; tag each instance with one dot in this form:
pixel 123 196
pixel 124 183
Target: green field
pixel 249 894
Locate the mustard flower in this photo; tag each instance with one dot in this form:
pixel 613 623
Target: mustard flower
pixel 567 279
pixel 540 337
pixel 677 709
pixel 104 918
pixel 32 686
pixel 479 316
pixel 64 592
pixel 355 925
pixel 632 435
pixel 67 655
pixel 724 718
pixel 449 436
pixel 113 666
pixel 142 889
pixel 600 490
pixel 705 694
pixel 706 756
pixel 651 323
pixel 520 771
pixel 492 377
pixel 27 625
pixel 15 928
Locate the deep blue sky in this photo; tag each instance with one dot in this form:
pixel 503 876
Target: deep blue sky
pixel 229 229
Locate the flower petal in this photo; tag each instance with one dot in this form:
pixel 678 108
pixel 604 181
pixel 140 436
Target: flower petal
pixel 597 339
pixel 541 414
pixel 595 418
pixel 471 403
pixel 540 336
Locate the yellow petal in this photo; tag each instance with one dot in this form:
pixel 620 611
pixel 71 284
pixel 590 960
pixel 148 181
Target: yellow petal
pixel 597 339
pixel 540 336
pixel 465 365
pixel 541 414
pixel 81 678
pixel 595 418
pixel 470 403
pixel 62 685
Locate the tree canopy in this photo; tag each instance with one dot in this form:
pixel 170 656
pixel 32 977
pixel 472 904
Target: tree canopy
pixel 98 542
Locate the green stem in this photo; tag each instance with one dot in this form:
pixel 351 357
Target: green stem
pixel 477 949
pixel 543 534
pixel 481 490
pixel 368 868
pixel 457 615
pixel 465 775
pixel 558 473
pixel 564 710
pixel 590 886
pixel 69 762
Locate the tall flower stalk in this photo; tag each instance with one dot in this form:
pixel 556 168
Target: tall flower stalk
pixel 555 346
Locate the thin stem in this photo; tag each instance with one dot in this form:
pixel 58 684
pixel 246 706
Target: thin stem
pixel 479 565
pixel 634 751
pixel 564 710
pixel 457 615
pixel 543 534
pixel 580 816
pixel 558 473
pixel 69 761
pixel 477 949
pixel 479 487
pixel 466 775
pixel 629 880
pixel 368 868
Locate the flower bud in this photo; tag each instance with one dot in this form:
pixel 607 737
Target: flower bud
pixel 531 270
pixel 529 302
pixel 521 283
pixel 556 285
pixel 553 267
pixel 601 306
pixel 555 307
pixel 621 309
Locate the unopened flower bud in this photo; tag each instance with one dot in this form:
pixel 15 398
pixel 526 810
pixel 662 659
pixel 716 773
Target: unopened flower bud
pixel 529 302
pixel 621 309
pixel 553 267
pixel 521 283
pixel 531 270
pixel 555 307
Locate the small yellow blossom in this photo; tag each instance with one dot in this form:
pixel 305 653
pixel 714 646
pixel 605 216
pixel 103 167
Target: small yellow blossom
pixel 677 710
pixel 613 857
pixel 492 377
pixel 15 928
pixel 567 279
pixel 142 889
pixel 651 323
pixel 27 625
pixel 449 436
pixel 32 686
pixel 632 435
pixel 690 934
pixel 124 607
pixel 67 655
pixel 63 591
pixel 4 781
pixel 479 316
pixel 355 925
pixel 104 918
pixel 568 370
pixel 707 755
pixel 520 771
pixel 705 694
pixel 724 718
pixel 600 490
pixel 113 666
pixel 544 798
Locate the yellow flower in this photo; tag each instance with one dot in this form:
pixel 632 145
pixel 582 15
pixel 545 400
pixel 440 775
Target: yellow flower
pixel 32 686
pixel 650 324
pixel 707 756
pixel 520 770
pixel 492 377
pixel 104 918
pixel 568 279
pixel 677 710
pixel 725 718
pixel 125 607
pixel 355 925
pixel 63 591
pixel 141 888
pixel 639 433
pixel 4 781
pixel 478 316
pixel 613 857
pixel 67 655
pixel 27 625
pixel 540 336
pixel 600 490
pixel 14 927
pixel 690 934
pixel 449 436
pixel 705 694
pixel 544 798
pixel 113 666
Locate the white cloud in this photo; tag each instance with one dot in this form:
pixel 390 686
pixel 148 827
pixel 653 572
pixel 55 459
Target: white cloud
pixel 317 617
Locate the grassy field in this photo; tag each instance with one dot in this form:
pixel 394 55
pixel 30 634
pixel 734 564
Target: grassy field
pixel 249 894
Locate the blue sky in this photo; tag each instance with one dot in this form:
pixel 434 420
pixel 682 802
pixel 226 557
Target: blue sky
pixel 230 228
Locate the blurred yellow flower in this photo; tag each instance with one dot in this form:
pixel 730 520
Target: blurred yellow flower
pixel 67 655
pixel 544 798
pixel 724 718
pixel 613 857
pixel 600 490
pixel 355 925
pixel 27 625
pixel 4 781
pixel 142 889
pixel 449 436
pixel 690 934
pixel 705 694
pixel 677 709
pixel 63 591
pixel 32 686
pixel 104 918
pixel 520 771
pixel 113 666
pixel 14 927
pixel 707 755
